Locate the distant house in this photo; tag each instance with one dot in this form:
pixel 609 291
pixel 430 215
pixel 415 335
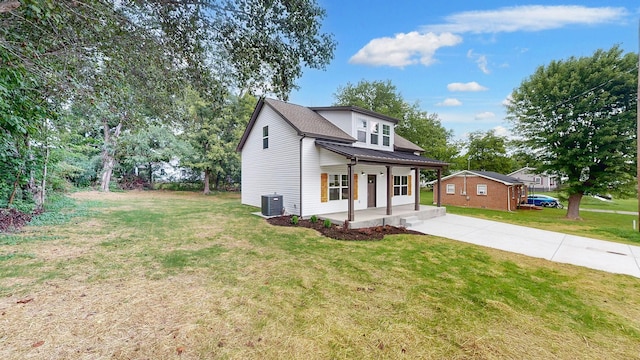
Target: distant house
pixel 482 189
pixel 324 160
pixel 534 180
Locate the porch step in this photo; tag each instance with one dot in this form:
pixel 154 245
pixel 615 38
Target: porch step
pixel 410 221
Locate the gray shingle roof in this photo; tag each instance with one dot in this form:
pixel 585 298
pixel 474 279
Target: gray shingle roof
pixel 402 144
pixel 308 122
pixel 380 156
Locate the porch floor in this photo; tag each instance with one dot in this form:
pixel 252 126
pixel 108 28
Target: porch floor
pixel 378 216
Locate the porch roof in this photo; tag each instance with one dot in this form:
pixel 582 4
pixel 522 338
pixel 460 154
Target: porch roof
pixel 381 157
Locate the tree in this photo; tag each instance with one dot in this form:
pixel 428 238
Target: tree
pixel 417 126
pixel 487 151
pixel 213 133
pixel 578 116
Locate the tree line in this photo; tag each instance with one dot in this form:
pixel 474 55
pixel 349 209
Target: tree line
pixel 94 89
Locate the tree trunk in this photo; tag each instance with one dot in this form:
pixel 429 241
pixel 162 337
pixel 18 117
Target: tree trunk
pixel 108 159
pixel 151 174
pixel 207 175
pixel 43 184
pixel 15 187
pixel 573 210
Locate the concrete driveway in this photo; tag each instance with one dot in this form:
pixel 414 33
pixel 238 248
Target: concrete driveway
pixel 595 254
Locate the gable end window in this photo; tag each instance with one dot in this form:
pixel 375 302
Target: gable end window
pixel 451 188
pixel 481 189
pixel 265 137
pixel 400 185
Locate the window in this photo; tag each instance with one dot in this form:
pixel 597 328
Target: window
pixel 451 188
pixel 265 137
pixel 482 189
pixel 183 172
pixel 362 130
pixel 537 180
pixel 400 185
pixel 338 187
pixel 374 133
pixel 386 132
pixel 163 172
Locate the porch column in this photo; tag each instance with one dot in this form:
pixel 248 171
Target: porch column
pixel 439 185
pixel 351 215
pixel 417 189
pixel 389 189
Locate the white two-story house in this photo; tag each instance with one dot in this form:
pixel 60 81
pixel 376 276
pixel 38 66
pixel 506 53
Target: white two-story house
pixel 324 160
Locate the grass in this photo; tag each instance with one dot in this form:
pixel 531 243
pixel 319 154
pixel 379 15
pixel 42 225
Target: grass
pixel 180 275
pixel 597 225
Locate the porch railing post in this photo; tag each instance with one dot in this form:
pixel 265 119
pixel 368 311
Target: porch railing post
pixel 417 189
pixel 439 185
pixel 351 215
pixel 389 189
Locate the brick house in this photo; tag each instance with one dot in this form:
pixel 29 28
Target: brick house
pixel 482 189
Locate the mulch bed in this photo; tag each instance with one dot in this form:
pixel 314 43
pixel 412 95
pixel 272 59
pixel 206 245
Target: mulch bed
pixel 342 233
pixel 13 220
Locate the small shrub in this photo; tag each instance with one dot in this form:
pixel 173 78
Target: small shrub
pixel 327 223
pixel 294 220
pixel 313 219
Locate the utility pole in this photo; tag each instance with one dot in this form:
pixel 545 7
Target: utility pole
pixel 638 130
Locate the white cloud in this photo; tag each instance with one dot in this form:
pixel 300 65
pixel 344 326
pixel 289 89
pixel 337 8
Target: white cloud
pixel 501 131
pixel 507 101
pixel 404 49
pixel 470 86
pixel 481 60
pixel 450 102
pixel 527 18
pixel 487 115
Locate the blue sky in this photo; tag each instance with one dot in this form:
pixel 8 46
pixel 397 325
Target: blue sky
pixel 461 59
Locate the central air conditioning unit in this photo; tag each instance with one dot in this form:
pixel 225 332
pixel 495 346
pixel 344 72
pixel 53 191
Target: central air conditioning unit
pixel 272 205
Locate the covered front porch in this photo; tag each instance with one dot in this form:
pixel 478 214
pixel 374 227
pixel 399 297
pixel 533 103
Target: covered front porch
pixel 364 160
pixel 402 215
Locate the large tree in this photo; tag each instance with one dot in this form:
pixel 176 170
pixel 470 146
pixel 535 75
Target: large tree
pixel 578 116
pixel 416 125
pixel 127 61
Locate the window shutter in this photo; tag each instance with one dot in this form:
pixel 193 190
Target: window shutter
pixel 324 187
pixel 355 186
pixel 409 185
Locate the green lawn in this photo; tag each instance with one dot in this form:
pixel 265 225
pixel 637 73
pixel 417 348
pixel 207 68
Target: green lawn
pixel 166 275
pixel 605 226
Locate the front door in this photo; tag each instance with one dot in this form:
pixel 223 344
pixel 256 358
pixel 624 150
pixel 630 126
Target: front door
pixel 371 190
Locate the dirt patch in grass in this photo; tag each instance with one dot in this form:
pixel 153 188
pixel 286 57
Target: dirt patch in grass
pixel 342 233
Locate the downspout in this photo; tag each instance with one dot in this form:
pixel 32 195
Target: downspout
pixel 300 177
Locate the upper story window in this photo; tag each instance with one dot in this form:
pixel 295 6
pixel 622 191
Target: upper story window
pixel 374 133
pixel 386 134
pixel 265 137
pixel 362 130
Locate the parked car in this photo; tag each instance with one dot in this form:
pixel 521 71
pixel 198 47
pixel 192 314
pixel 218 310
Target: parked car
pixel 544 200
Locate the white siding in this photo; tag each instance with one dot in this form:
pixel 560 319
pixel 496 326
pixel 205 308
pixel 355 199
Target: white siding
pixel 272 170
pixel 341 119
